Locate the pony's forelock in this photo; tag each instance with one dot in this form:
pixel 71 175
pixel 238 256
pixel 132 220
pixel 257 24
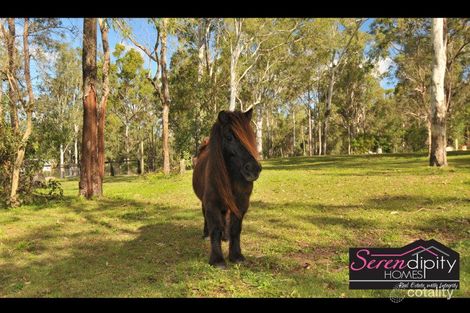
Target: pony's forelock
pixel 241 127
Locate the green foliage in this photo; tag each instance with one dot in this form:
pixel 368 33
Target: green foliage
pixel 8 143
pixel 364 143
pixel 416 137
pixel 48 191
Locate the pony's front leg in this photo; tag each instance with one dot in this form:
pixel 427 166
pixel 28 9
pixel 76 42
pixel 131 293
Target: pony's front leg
pixel 215 225
pixel 235 252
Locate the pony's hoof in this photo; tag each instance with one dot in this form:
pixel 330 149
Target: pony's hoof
pixel 237 258
pixel 204 237
pixel 221 264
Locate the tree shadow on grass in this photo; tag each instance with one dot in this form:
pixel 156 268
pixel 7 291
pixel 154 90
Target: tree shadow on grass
pixel 159 255
pixel 274 206
pixel 121 179
pixel 412 203
pixel 445 228
pixel 326 216
pixel 374 164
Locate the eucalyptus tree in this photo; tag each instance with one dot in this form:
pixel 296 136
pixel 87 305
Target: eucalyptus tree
pixel 357 89
pixel 246 40
pixel 92 156
pixel 456 84
pixel 21 97
pixel 58 114
pixel 158 54
pixel 342 39
pixel 438 154
pixel 131 98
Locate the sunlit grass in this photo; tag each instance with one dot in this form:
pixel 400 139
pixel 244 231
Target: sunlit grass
pixel 143 239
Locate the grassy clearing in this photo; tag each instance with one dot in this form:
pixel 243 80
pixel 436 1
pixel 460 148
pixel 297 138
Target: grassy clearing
pixel 143 239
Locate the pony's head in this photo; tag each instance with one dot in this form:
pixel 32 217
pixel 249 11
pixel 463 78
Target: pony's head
pixel 239 144
pixel 232 154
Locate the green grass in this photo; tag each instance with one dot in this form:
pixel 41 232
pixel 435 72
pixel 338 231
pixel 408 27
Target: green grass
pixel 143 239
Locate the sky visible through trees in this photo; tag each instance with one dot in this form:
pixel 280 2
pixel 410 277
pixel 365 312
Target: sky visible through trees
pixel 144 31
pixel 317 86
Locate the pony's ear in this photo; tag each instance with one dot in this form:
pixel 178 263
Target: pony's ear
pixel 249 114
pixel 223 117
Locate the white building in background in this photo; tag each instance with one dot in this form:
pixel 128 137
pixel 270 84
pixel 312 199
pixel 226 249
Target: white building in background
pixel 47 168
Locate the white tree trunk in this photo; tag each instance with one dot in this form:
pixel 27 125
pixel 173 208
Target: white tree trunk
pixel 62 169
pixel 75 151
pixel 310 139
pixel 235 55
pixel 328 109
pixel 438 155
pixel 293 129
pixel 201 48
pixel 319 140
pixel 127 150
pixel 233 84
pixel 142 164
pixel 302 132
pixel 259 130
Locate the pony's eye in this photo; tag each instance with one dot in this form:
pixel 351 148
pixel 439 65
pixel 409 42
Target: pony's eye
pixel 229 137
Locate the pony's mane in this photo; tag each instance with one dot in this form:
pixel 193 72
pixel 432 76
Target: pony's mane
pixel 242 130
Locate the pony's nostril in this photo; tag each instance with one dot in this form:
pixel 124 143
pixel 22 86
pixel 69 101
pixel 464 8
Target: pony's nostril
pixel 247 167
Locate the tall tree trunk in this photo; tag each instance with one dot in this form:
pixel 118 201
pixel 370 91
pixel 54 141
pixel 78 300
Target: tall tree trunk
pixel 15 178
pixel 328 108
pixel 127 149
pixel 142 164
pixel 310 139
pixel 302 131
pixel 11 74
pixel 268 133
pixel 293 133
pixel 90 179
pixel 438 155
pixel 62 169
pixel 233 84
pixel 319 140
pixel 429 134
pixel 201 47
pixel 234 56
pixel 104 98
pixel 75 151
pixel 166 98
pixel 1 103
pixel 202 29
pixel 349 139
pixel 259 130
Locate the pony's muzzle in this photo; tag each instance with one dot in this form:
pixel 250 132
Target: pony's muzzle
pixel 251 171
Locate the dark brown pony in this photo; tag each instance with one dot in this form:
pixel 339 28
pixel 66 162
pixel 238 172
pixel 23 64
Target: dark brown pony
pixel 224 171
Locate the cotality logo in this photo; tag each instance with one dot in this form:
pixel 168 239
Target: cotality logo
pixel 419 265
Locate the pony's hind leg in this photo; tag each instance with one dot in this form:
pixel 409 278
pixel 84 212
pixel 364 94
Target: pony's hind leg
pixel 205 232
